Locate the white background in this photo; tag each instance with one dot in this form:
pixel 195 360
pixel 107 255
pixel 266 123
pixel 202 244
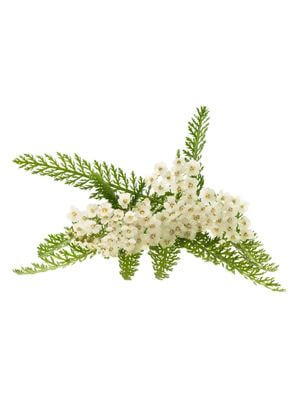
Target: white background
pixel 118 81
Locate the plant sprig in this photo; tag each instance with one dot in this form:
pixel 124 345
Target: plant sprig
pixel 106 181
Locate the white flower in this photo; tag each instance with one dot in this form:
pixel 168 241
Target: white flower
pixel 242 207
pixel 180 206
pixel 170 204
pixel 129 231
pixel 162 216
pixel 220 220
pixel 231 221
pixel 74 214
pixel 244 222
pixel 177 173
pixel 217 230
pixel 150 180
pixel 179 186
pixel 190 209
pixel 168 177
pixel 190 185
pixel 192 168
pixel 160 169
pixel 92 210
pixel 230 209
pixel 207 195
pixel 105 210
pixel 129 245
pixel 233 236
pixel 189 234
pixel 215 209
pixel 118 215
pixel 224 197
pixel 143 208
pixel 140 244
pixel 167 242
pixel 190 197
pixel 130 217
pixel 247 234
pixel 81 228
pixel 159 188
pixel 143 204
pixel 154 224
pixel 179 163
pixel 124 200
pixel 152 238
pixel 94 227
pixel 143 212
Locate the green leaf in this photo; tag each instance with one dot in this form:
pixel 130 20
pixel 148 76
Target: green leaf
pixel 52 243
pixel 128 263
pixel 247 258
pixel 163 260
pixel 195 140
pixel 34 269
pixel 58 259
pixel 103 179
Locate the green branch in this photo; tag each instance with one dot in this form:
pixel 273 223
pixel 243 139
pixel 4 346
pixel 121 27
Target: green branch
pixel 163 260
pixel 195 140
pixel 103 179
pixel 243 259
pixel 128 263
pixel 58 259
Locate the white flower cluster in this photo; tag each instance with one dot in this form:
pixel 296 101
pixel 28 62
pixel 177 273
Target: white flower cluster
pixel 182 214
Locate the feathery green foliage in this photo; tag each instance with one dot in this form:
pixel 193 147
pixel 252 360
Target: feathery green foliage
pixel 241 258
pixel 103 179
pixel 128 263
pixel 107 182
pixel 117 180
pixel 197 128
pixel 163 260
pixel 53 242
pixel 57 259
pixel 196 139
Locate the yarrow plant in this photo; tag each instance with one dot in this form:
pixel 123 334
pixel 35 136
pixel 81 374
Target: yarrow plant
pixel 164 213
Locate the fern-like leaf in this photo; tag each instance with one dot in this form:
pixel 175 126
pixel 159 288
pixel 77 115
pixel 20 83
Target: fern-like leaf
pixel 58 259
pixel 35 268
pixel 243 259
pixel 163 260
pixel 53 243
pixel 128 263
pixel 197 128
pixel 103 179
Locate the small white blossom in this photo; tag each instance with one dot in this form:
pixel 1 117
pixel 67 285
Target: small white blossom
pixel 74 214
pixel 160 169
pixel 129 231
pixel 192 168
pixel 244 222
pixel 118 215
pixel 242 207
pixel 230 209
pixel 130 217
pixel 124 199
pixel 233 237
pixel 105 210
pixel 92 210
pixel 179 163
pixel 207 195
pixel 190 185
pixel 159 188
pixel 150 180
pixel 247 234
